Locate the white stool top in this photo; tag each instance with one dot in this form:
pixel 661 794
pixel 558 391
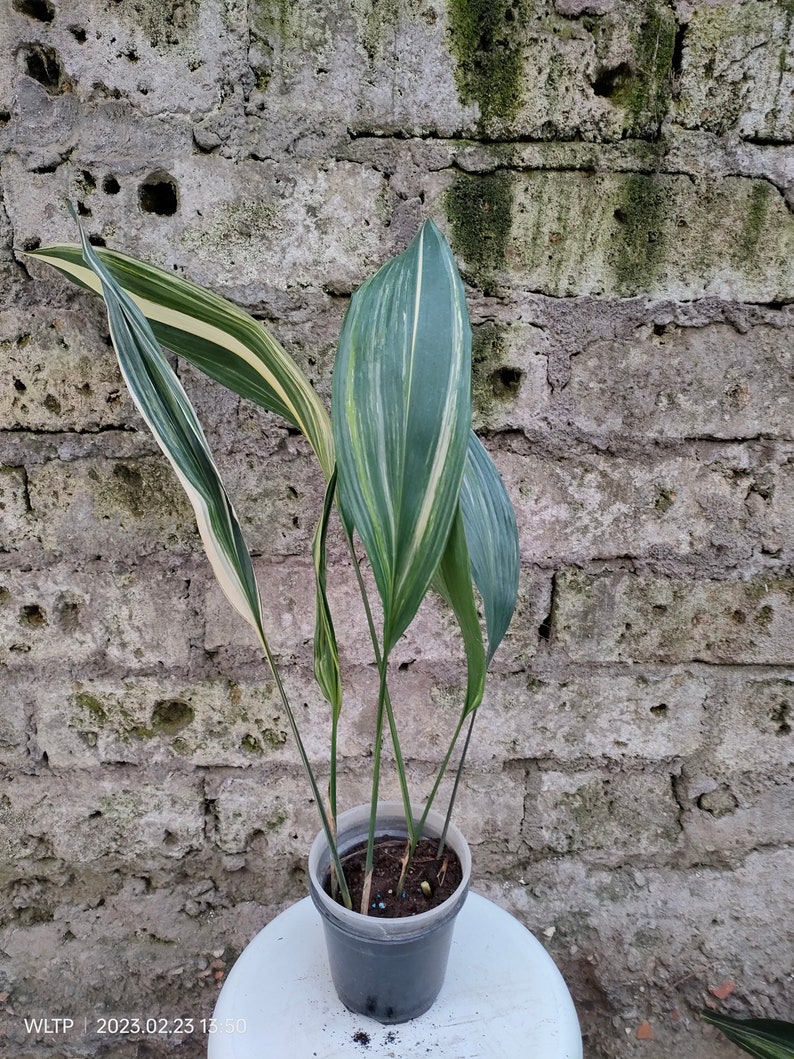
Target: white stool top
pixel 503 997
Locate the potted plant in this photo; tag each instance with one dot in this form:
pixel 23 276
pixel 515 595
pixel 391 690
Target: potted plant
pixel 412 486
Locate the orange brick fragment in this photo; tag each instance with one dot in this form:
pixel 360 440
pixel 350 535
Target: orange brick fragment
pixel 645 1032
pixel 724 990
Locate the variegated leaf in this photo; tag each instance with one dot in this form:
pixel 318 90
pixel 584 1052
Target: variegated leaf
pixel 165 407
pixel 492 537
pixel 401 419
pixel 212 333
pixel 326 651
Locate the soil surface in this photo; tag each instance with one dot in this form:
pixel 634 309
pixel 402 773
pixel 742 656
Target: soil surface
pixel 429 882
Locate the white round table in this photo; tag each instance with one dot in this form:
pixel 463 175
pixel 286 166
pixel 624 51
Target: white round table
pixel 503 997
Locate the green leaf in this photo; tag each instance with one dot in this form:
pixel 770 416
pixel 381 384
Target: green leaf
pixel 326 651
pixel 210 332
pixel 453 580
pixel 764 1038
pixel 401 419
pixel 162 402
pixel 492 537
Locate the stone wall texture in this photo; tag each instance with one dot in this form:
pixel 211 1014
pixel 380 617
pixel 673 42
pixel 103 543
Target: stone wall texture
pixel 616 178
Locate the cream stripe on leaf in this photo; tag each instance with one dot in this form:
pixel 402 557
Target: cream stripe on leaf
pixel 162 402
pixel 401 417
pixel 212 333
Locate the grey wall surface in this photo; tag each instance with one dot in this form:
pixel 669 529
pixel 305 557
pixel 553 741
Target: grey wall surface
pixel 616 178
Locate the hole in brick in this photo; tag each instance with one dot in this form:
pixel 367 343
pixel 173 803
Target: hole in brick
pixel 171 716
pixel 40 10
pixel 111 186
pixel 611 81
pixel 158 195
pixel 506 381
pixel 660 710
pixel 96 240
pixel 79 34
pixel 544 629
pixel 719 802
pixel 32 615
pixel 95 815
pixel 44 65
pixel 82 209
pixel 19 386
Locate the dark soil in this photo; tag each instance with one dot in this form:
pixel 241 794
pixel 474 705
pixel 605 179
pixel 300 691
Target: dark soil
pixel 429 882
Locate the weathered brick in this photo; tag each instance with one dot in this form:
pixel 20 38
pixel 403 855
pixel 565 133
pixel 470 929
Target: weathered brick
pixel 599 506
pixel 622 617
pixel 590 811
pixel 80 818
pixel 106 615
pixel 686 382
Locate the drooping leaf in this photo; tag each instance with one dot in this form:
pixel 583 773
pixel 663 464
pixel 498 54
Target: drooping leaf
pixel 453 581
pixel 401 419
pixel 212 333
pixel 165 407
pixel 764 1038
pixel 492 537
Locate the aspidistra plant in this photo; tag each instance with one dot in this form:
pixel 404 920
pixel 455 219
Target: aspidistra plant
pixel 410 479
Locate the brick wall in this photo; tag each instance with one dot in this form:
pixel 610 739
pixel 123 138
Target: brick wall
pixel 616 178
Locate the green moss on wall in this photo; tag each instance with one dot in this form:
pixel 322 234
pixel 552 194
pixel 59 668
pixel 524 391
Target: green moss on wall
pixel 641 212
pixel 479 209
pixel 646 95
pixel 486 42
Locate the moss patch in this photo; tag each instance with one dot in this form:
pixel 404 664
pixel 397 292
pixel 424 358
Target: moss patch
pixel 486 40
pixel 479 209
pixel 641 212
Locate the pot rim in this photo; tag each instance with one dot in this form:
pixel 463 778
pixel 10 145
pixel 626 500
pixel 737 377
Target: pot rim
pixel 390 817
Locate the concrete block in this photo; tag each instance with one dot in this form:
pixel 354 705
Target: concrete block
pixel 97 616
pixel 655 715
pixel 599 506
pixel 117 508
pixel 16 528
pixel 82 818
pixel 685 382
pixel 61 375
pixel 570 234
pixel 757 729
pixel 729 814
pixel 618 815
pixel 735 73
pixel 241 228
pixel 621 617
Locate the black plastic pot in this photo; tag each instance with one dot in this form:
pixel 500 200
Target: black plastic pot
pixel 389 969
